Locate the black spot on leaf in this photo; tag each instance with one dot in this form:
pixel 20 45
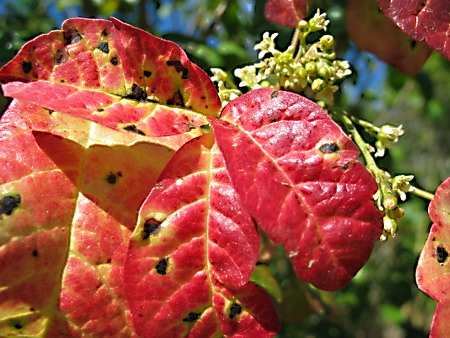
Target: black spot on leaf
pixel 114 60
pixel 179 68
pixel 18 326
pixel 137 93
pixel 9 203
pixel 176 100
pixel 59 57
pixel 413 44
pixel 105 32
pixel 26 67
pixel 441 255
pixel 147 73
pixel 329 148
pixel 132 128
pixel 235 309
pixel 151 226
pixel 35 253
pixel 189 125
pixel 274 94
pixel 100 110
pixel 191 317
pixel 72 36
pixel 104 47
pixel 112 178
pixel 161 267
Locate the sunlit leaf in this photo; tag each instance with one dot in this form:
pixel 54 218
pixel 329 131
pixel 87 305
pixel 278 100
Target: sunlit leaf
pixel 192 254
pixel 295 172
pixel 394 47
pixel 422 20
pixel 433 269
pixel 114 74
pixel 285 12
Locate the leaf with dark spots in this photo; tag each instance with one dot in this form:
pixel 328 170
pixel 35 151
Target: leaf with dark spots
pixel 285 12
pixel 9 203
pixel 35 253
pixel 151 227
pixel 422 20
pixel 433 270
pixel 441 255
pixel 26 67
pixel 305 192
pixel 103 46
pixel 161 267
pixel 132 128
pixel 328 148
pixel 179 68
pixel 78 77
pixel 213 246
pixel 191 317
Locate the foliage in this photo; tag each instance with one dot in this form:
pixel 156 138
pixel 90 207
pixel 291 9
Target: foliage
pixel 373 288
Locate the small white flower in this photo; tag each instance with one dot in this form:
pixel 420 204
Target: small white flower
pixel 401 185
pixel 318 22
pixel 267 45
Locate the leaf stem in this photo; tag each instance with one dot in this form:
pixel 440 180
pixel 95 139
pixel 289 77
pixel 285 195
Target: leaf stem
pixel 421 193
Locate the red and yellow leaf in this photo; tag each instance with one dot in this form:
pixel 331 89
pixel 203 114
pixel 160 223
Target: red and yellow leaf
pixel 422 20
pixel 433 269
pixel 192 254
pixel 114 74
pixel 67 208
pixel 394 47
pixel 286 13
pixel 295 173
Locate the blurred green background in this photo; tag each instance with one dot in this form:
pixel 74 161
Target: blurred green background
pixel 382 300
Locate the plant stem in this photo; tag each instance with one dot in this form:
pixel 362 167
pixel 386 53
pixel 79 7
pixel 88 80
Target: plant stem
pixel 421 193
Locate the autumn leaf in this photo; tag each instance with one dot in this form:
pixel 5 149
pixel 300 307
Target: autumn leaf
pixel 286 13
pixel 113 74
pixel 433 272
pixel 192 254
pixel 394 47
pixel 422 20
pixel 295 172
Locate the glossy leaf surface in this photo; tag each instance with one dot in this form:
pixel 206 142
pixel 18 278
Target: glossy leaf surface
pixel 422 20
pixel 294 171
pixel 395 47
pixel 114 74
pixel 285 12
pixel 192 254
pixel 433 269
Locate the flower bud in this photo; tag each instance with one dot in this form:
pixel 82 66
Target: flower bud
pixel 317 85
pixel 390 202
pixel 310 67
pixel 327 41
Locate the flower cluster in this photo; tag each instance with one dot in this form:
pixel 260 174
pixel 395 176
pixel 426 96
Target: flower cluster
pixel 308 68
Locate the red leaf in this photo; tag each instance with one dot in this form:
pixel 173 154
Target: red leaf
pixel 47 225
pixel 433 269
pixel 294 171
pixel 422 20
pixel 192 254
pixel 66 209
pixel 286 13
pixel 114 74
pixel 387 41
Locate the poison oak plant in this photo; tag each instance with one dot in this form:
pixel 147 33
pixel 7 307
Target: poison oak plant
pixel 130 201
